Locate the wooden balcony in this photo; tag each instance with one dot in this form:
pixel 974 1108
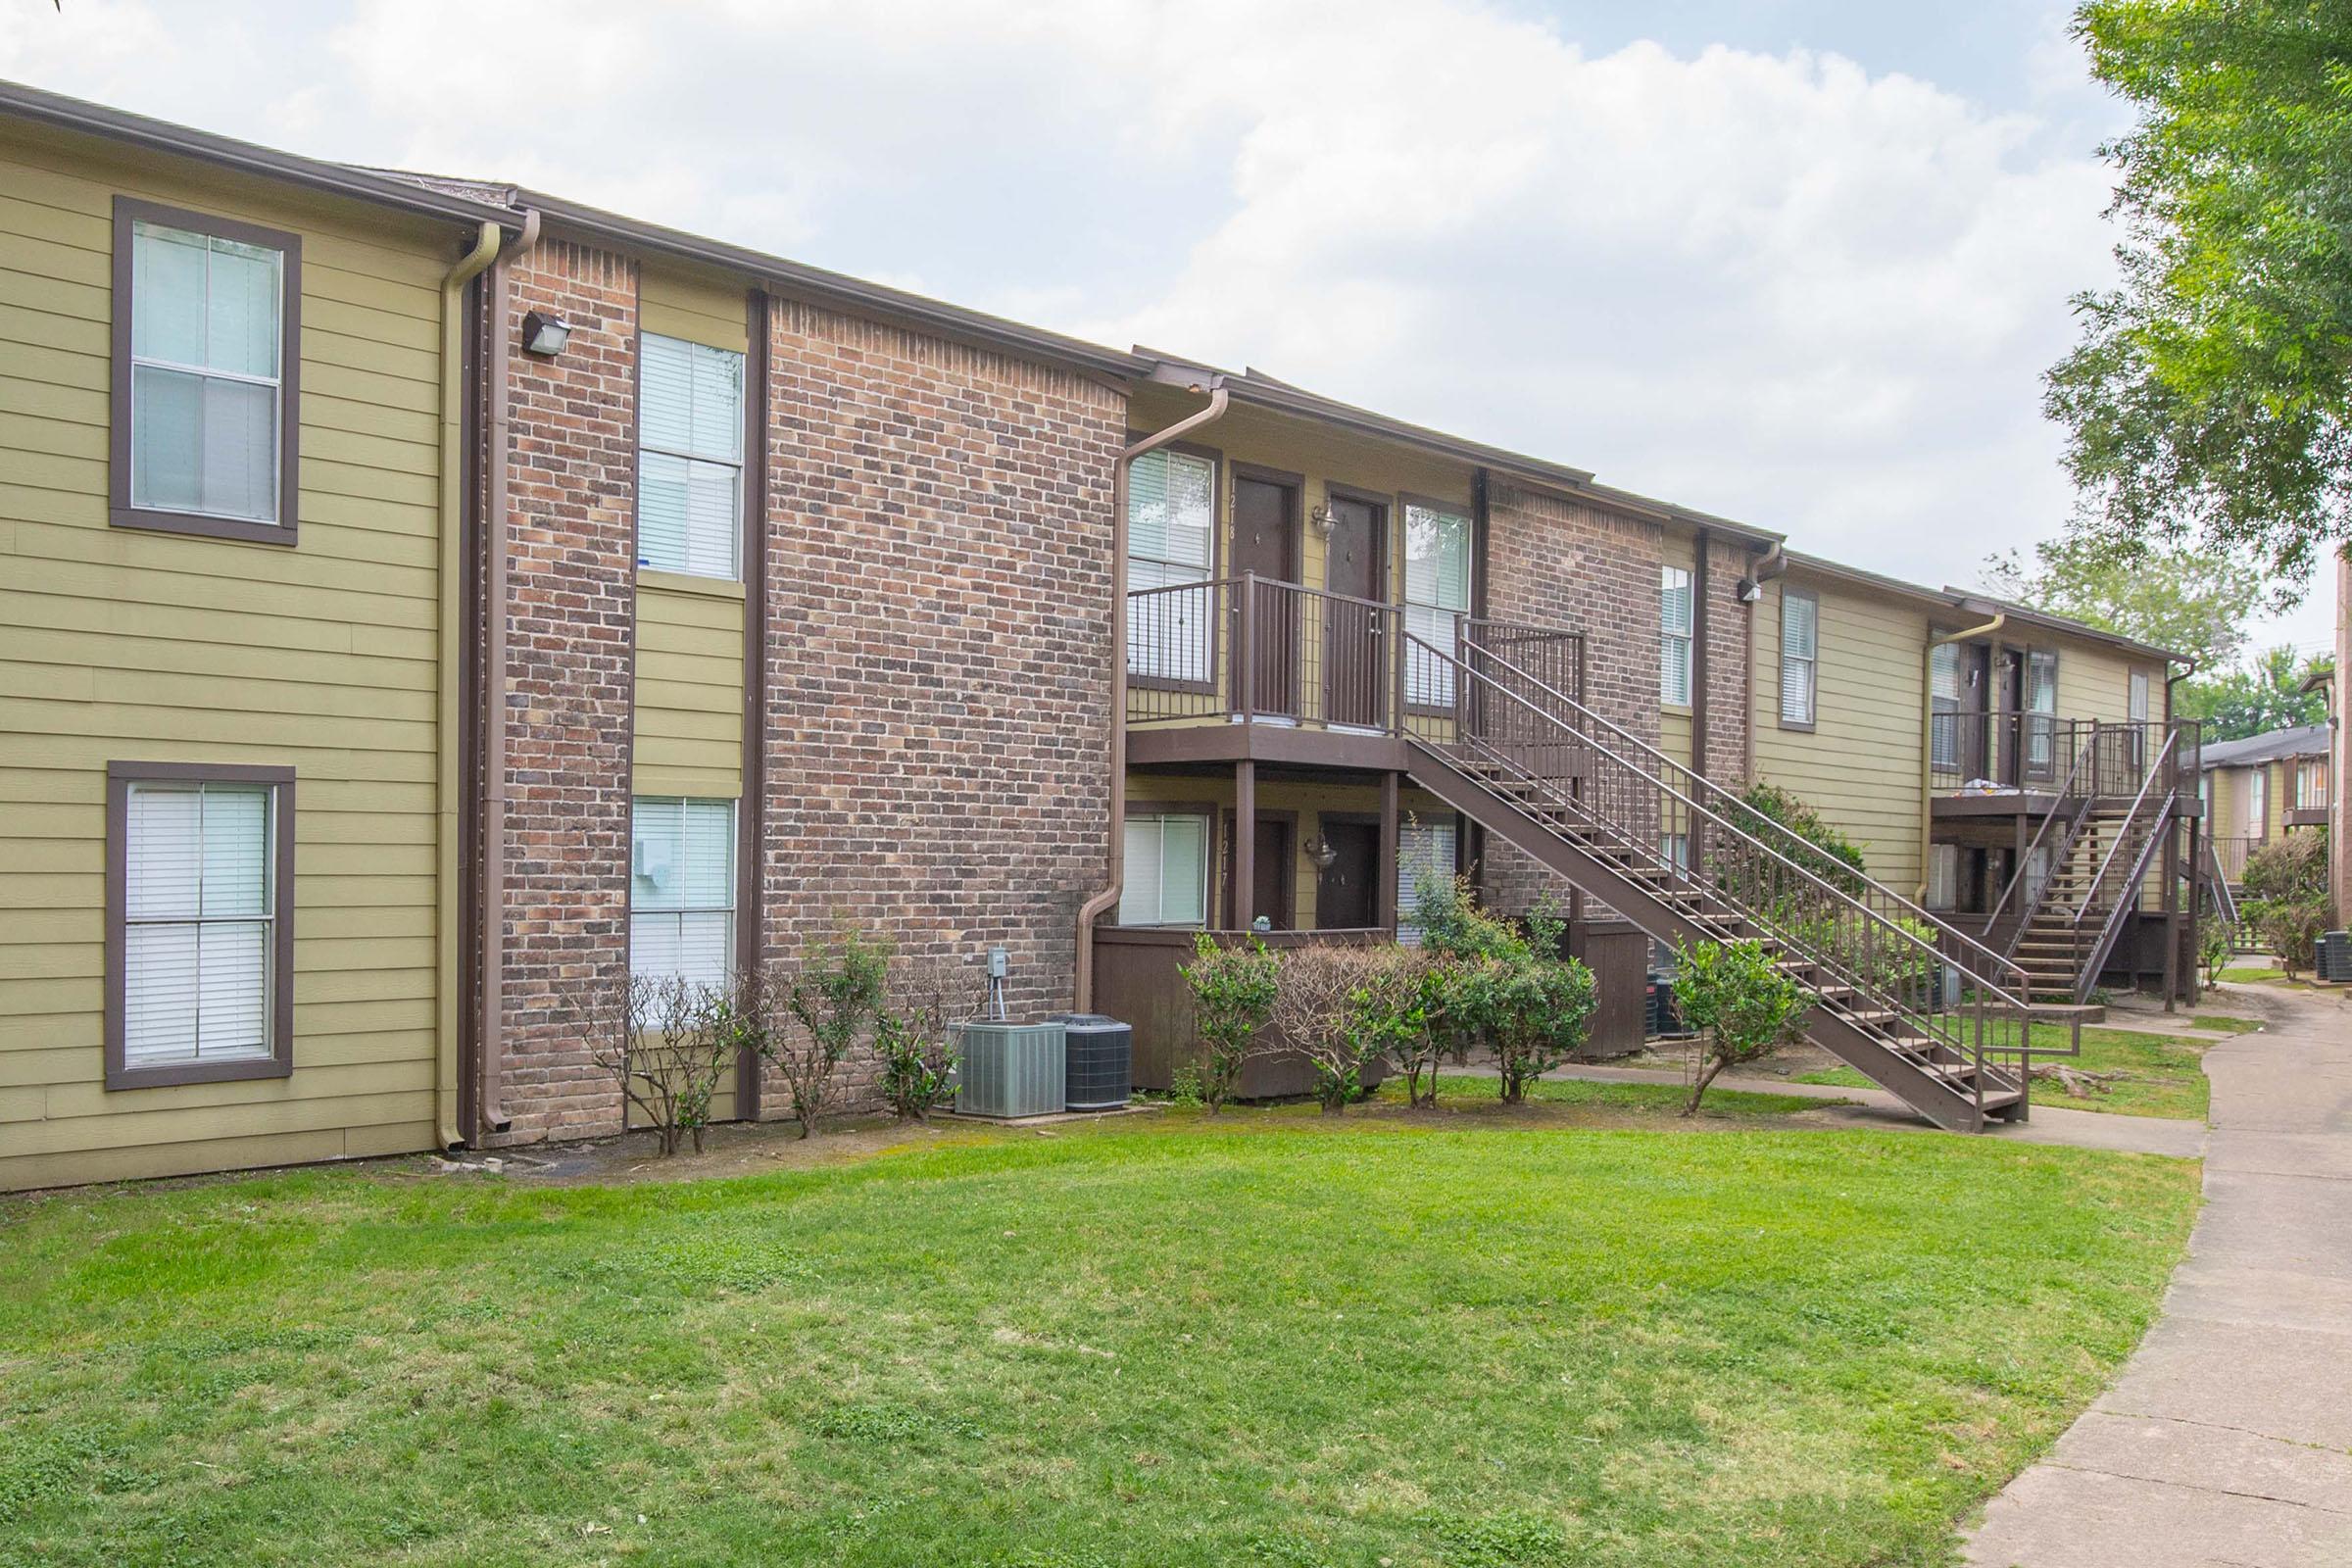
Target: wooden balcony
pixel 1999 765
pixel 1250 669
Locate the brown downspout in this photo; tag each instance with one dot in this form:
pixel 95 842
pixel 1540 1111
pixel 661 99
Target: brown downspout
pixel 1701 630
pixel 495 427
pixel 450 774
pixel 1095 908
pixel 1927 744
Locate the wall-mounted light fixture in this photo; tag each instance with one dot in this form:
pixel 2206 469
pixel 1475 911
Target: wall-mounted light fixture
pixel 1324 522
pixel 543 335
pixel 1750 590
pixel 1320 852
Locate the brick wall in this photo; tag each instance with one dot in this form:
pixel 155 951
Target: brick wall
pixel 939 684
pixel 570 619
pixel 1557 562
pixel 1728 699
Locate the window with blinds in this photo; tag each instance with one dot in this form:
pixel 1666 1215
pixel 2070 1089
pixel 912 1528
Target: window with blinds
pixel 1166 882
pixel 1944 876
pixel 2138 698
pixel 1436 596
pixel 199 917
pixel 1943 703
pixel 682 889
pixel 1171 529
pixel 207 368
pixel 1674 636
pixel 1801 655
pixel 1423 849
pixel 690 457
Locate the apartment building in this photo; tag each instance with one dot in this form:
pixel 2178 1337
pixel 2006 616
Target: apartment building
pixel 2258 789
pixel 428 601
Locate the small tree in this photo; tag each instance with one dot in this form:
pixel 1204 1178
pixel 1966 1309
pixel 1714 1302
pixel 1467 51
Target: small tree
pixel 669 1043
pixel 1338 1007
pixel 1232 1001
pixel 2286 896
pixel 2213 946
pixel 1467 955
pixel 926 998
pixel 1543 1005
pixel 1740 997
pixel 836 992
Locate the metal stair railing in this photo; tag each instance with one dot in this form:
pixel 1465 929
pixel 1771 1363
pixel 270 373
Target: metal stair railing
pixel 1874 968
pixel 2068 790
pixel 2111 895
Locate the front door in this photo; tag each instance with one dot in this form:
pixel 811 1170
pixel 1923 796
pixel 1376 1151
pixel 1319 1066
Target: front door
pixel 1271 875
pixel 1348 889
pixel 1265 541
pixel 1356 654
pixel 2009 702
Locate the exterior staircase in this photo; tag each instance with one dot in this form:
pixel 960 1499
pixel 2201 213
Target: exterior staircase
pixel 2102 848
pixel 1916 1007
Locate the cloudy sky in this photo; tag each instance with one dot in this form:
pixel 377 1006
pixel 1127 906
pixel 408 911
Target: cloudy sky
pixel 1801 264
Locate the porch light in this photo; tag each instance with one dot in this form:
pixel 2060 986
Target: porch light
pixel 1320 853
pixel 543 335
pixel 1323 521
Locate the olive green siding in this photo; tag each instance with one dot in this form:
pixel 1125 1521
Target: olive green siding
pixel 125 645
pixel 689 712
pixel 1861 764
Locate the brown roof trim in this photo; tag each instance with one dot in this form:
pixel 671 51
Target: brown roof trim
pixel 226 152
pixel 1980 606
pixel 798 280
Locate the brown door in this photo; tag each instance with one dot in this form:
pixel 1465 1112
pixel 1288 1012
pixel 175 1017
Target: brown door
pixel 1275 883
pixel 1348 891
pixel 1265 541
pixel 1355 640
pixel 2009 702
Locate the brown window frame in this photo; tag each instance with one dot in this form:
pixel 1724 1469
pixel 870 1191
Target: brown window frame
pixel 121 514
pixel 1215 457
pixel 279 1063
pixel 1780 690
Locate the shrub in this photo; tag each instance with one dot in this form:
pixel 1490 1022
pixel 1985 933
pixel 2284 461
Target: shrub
pixel 1740 997
pixel 2292 868
pixel 2213 946
pixel 1822 848
pixel 669 1043
pixel 1541 1005
pixel 1453 926
pixel 2290 928
pixel 924 1000
pixel 1232 1000
pixel 1341 1006
pixel 832 997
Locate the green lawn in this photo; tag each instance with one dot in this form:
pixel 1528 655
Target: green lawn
pixel 1269 1339
pixel 2251 974
pixel 2165 1075
pixel 1468 1092
pixel 2219 1024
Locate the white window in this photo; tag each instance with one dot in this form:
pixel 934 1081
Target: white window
pixel 690 457
pixel 1800 657
pixel 199 923
pixel 682 889
pixel 2138 697
pixel 1943 702
pixel 2258 802
pixel 1674 636
pixel 1436 596
pixel 1171 526
pixel 1167 870
pixel 1423 848
pixel 2311 784
pixel 207 366
pixel 1944 876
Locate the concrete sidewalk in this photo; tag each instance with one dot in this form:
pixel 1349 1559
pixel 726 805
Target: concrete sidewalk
pixel 2227 1439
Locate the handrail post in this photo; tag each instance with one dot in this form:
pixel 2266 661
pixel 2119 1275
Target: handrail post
pixel 1246 676
pixel 1392 617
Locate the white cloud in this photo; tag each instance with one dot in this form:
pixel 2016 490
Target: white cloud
pixel 1773 285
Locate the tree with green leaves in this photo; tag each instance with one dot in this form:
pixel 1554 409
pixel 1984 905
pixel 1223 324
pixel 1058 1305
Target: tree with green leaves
pixel 2210 398
pixel 2255 698
pixel 1740 1001
pixel 2190 601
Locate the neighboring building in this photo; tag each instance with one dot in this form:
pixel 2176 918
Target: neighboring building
pixel 2258 789
pixel 429 601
